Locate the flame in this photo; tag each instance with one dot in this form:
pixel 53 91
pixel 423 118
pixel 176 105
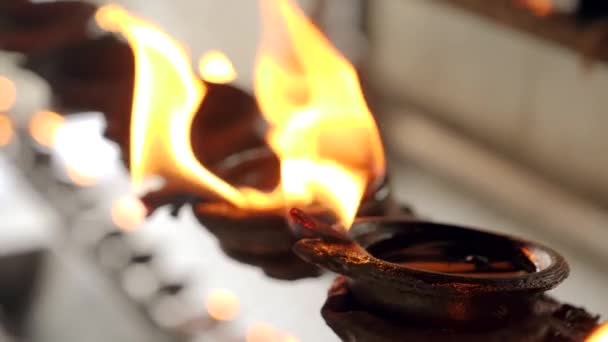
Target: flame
pixel 223 305
pixel 541 8
pixel 321 127
pixel 166 97
pixel 600 334
pixel 215 67
pixel 8 94
pixel 6 130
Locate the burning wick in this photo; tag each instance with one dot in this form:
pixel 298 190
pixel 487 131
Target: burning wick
pixel 43 127
pixel 308 227
pixel 541 8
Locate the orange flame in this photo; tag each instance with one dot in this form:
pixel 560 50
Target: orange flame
pixel 600 334
pixel 321 127
pixel 541 8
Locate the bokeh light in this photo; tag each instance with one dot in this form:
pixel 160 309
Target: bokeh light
pixel 82 151
pixel 215 67
pixel 44 126
pixel 263 332
pixel 128 213
pixel 223 305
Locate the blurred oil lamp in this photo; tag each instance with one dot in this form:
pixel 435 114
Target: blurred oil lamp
pixel 92 74
pixel 30 26
pixel 421 280
pixel 203 138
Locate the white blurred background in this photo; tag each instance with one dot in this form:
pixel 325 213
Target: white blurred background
pixel 505 140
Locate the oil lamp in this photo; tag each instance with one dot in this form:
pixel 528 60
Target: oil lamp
pixel 421 280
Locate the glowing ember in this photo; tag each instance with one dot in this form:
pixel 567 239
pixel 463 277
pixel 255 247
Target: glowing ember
pixel 8 94
pixel 128 213
pixel 44 126
pixel 215 67
pixel 321 128
pixel 223 305
pixel 6 130
pixel 600 334
pixel 541 8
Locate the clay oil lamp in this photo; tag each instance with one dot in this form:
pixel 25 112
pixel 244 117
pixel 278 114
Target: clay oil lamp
pixel 416 280
pixel 31 27
pixel 240 169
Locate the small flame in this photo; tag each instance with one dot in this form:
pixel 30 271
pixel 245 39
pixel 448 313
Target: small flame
pixel 321 127
pixel 600 334
pixel 8 94
pixel 215 67
pixel 44 126
pixel 6 130
pixel 541 8
pixel 223 305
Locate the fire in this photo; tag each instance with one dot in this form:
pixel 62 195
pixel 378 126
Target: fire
pixel 43 127
pixel 541 8
pixel 321 127
pixel 223 305
pixel 215 67
pixel 128 213
pixel 600 334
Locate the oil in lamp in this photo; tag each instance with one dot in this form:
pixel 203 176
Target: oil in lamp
pixel 204 139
